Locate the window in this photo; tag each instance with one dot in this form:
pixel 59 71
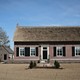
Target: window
pixel 59 51
pixel 77 51
pixel 21 52
pixel 33 51
pixel 45 48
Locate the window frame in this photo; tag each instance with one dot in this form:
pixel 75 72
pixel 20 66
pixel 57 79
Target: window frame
pixel 31 53
pixel 77 47
pixel 19 51
pixel 58 48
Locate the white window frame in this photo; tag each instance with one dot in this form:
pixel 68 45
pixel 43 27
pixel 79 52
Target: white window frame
pixel 19 51
pixel 59 47
pixel 77 47
pixel 30 51
pixel 44 49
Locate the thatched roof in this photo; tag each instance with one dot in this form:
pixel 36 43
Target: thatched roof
pixel 47 34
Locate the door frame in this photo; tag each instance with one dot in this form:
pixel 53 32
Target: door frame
pixel 42 51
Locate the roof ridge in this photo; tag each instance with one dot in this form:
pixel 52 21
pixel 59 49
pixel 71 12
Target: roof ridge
pixel 48 26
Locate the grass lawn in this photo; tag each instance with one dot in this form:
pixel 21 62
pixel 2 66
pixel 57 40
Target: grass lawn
pixel 20 72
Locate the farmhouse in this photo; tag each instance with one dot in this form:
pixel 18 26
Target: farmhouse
pixel 47 43
pixel 6 53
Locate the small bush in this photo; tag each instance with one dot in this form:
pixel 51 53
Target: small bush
pixel 34 64
pixel 31 65
pixel 56 64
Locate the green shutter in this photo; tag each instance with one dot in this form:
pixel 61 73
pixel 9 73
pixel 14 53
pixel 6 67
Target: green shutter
pixel 73 51
pixel 64 51
pixel 17 51
pixel 36 51
pixel 27 51
pixel 54 51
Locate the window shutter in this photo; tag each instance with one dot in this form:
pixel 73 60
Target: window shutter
pixel 54 51
pixel 27 51
pixel 36 51
pixel 17 51
pixel 73 51
pixel 64 51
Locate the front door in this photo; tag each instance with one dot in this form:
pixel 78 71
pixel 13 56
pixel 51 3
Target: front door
pixel 44 52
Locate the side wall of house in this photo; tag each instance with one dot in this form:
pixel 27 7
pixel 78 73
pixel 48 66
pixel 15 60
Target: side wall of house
pixel 27 58
pixel 68 52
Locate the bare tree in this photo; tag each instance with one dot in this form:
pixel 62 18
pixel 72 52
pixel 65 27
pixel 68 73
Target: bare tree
pixel 3 37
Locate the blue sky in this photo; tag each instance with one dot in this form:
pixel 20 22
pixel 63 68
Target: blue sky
pixel 38 13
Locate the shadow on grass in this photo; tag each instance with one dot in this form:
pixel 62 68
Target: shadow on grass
pixel 44 67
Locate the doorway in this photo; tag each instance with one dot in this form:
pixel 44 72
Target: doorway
pixel 5 56
pixel 44 52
